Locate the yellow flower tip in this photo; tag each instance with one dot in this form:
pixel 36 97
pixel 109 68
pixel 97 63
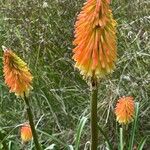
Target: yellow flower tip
pixel 26 133
pixel 16 73
pixel 125 110
pixel 95 39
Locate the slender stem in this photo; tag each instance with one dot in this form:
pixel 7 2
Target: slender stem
pixel 30 116
pixel 121 139
pixel 134 127
pixel 125 135
pixel 94 127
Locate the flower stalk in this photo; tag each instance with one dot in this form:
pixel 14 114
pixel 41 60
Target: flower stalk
pixel 94 126
pixel 95 51
pixel 30 117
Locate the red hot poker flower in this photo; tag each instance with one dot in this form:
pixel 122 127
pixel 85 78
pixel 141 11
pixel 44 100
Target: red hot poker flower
pixel 26 133
pixel 125 110
pixel 16 73
pixel 95 39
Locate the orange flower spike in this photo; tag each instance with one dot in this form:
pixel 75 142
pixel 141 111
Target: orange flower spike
pixel 26 133
pixel 95 39
pixel 16 73
pixel 125 110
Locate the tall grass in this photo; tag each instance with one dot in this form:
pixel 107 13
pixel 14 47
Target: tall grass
pixel 43 37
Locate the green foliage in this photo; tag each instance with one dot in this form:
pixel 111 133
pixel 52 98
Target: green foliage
pixel 134 127
pixel 121 143
pixel 42 35
pixel 142 143
pixel 79 132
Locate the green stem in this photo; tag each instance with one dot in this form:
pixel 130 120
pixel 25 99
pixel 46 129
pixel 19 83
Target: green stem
pixel 121 139
pixel 94 127
pixel 125 135
pixel 30 116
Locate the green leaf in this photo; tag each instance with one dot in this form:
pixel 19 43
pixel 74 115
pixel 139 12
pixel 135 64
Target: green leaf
pixel 134 126
pixel 79 131
pixel 52 137
pixel 121 139
pixel 106 138
pixel 141 145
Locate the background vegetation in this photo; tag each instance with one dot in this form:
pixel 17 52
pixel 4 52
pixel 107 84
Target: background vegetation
pixel 41 32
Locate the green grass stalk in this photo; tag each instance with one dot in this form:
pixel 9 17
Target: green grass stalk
pixel 121 139
pixel 30 117
pixel 94 126
pixel 134 126
pixel 79 132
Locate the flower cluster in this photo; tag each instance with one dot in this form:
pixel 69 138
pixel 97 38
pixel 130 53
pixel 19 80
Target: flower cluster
pixel 26 133
pixel 125 110
pixel 95 39
pixel 16 73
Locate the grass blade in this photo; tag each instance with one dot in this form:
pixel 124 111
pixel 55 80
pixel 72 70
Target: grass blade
pixel 121 139
pixel 141 145
pixel 53 138
pixel 106 138
pixel 79 131
pixel 134 127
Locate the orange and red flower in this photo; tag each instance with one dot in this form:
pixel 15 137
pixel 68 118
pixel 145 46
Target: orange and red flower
pixel 95 39
pixel 16 73
pixel 26 133
pixel 125 110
